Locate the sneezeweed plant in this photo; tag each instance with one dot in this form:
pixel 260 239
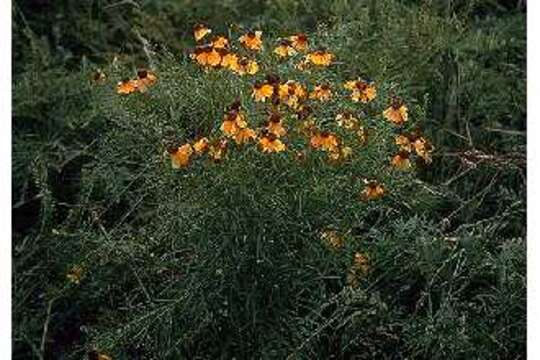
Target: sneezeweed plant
pixel 253 146
pixel 293 98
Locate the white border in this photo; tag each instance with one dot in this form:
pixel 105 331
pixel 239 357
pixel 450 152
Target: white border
pixel 533 176
pixel 5 180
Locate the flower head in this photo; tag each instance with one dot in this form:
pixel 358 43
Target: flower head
pixel 252 40
pixel 299 41
pixel 325 141
pixel 320 58
pixel 397 112
pixel 284 49
pixel 274 125
pixel 362 91
pixel 401 161
pixel 373 190
pixel 321 92
pixel 127 86
pixel 200 31
pixel 269 143
pixel 180 158
pixel 75 274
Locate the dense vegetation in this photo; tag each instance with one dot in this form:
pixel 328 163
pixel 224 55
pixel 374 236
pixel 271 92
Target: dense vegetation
pixel 257 256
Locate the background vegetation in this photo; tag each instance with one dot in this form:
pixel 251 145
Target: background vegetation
pixel 191 265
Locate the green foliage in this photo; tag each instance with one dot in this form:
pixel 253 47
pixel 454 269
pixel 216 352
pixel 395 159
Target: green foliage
pixel 226 260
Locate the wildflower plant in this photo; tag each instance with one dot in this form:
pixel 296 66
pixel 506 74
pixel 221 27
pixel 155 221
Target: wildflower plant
pixel 244 150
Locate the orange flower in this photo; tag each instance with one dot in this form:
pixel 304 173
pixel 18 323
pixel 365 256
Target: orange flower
pixel 284 49
pixel 180 158
pixel 320 58
pixel 321 92
pixel 339 154
pixel 372 191
pixel 220 42
pixel 362 134
pixel 302 65
pixel 397 113
pixel 424 149
pixel 361 90
pixel 207 56
pixel 246 66
pixel 217 149
pixel 325 141
pixel 332 239
pixel 252 40
pixel 275 125
pixel 200 31
pixel 233 121
pixel 299 41
pixel 347 120
pixel 262 91
pixel 245 135
pixel 404 143
pixel 145 79
pixel 230 61
pixel 401 161
pixel 127 86
pixel 359 268
pixel 270 143
pixel 292 93
pixel 201 145
pixel 75 274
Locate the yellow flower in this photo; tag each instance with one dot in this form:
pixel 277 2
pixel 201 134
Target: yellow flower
pixel 401 161
pixel 360 268
pixel 292 93
pixel 217 149
pixel 180 158
pixel 230 61
pixel 145 79
pixel 373 191
pixel 332 239
pixel 325 141
pixel 299 41
pixel 340 153
pixel 303 65
pixel 207 56
pixel 362 134
pixel 200 146
pixel 270 143
pixel 246 66
pixel 275 125
pixel 404 143
pixel 252 40
pixel 127 86
pixel 361 90
pixel 245 135
pixel 75 274
pixel 200 31
pixel 320 58
pixel 220 42
pixel 424 149
pixel 284 49
pixel 347 120
pixel 262 91
pixel 321 92
pixel 233 121
pixel 397 113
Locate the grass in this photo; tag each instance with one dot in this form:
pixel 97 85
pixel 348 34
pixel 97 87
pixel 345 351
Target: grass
pixel 226 260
